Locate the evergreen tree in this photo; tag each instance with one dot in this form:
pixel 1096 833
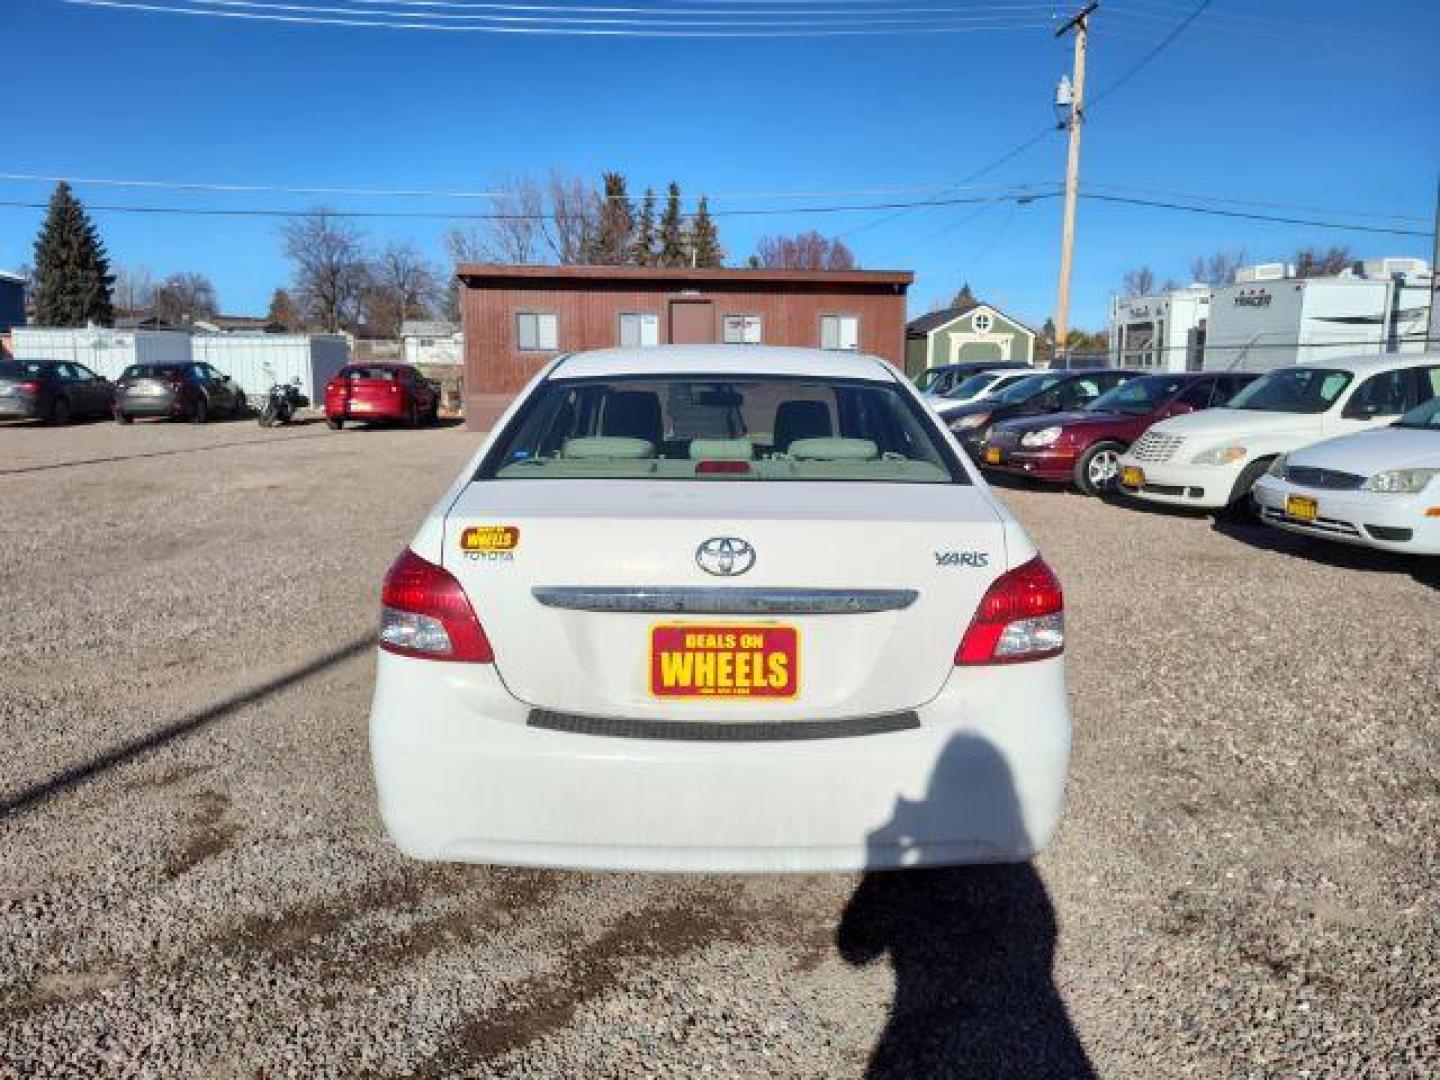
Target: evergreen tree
pixel 284 315
pixel 705 238
pixel 72 271
pixel 672 231
pixel 964 298
pixel 614 233
pixel 642 240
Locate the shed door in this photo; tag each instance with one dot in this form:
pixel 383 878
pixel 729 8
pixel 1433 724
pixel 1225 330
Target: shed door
pixel 692 322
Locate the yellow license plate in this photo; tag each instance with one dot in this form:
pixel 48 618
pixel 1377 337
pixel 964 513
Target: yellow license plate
pixel 1130 476
pixel 1302 507
pixel 992 455
pixel 715 660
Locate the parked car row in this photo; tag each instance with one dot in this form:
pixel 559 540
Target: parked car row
pixel 60 391
pixel 1347 449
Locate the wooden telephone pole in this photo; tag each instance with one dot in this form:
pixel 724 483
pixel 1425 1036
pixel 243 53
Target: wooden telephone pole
pixel 1081 25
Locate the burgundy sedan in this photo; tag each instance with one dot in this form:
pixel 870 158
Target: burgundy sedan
pixel 1083 447
pixel 381 391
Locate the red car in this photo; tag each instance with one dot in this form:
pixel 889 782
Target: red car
pixel 396 392
pixel 1083 448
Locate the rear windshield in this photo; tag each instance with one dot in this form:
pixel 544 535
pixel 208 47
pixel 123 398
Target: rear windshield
pixel 1293 390
pixel 19 369
pixel 382 373
pixel 1026 388
pixel 715 428
pixel 973 385
pixel 1138 396
pixel 153 371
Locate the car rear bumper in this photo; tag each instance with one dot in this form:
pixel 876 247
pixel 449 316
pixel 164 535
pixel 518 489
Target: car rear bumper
pixel 1199 487
pixel 1388 522
pixel 462 777
pixel 149 405
pixel 20 408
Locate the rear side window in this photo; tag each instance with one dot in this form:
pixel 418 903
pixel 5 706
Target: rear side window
pixel 714 428
pixel 1388 394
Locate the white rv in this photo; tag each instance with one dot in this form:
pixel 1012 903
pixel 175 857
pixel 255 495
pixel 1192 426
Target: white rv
pixel 1162 333
pixel 1268 318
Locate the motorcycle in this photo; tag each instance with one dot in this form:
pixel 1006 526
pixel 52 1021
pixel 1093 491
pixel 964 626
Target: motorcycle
pixel 282 402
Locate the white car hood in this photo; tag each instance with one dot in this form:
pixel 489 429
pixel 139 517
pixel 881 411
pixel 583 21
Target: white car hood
pixel 1367 452
pixel 1223 423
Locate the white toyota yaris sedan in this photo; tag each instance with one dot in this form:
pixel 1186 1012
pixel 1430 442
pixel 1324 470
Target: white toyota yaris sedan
pixel 720 608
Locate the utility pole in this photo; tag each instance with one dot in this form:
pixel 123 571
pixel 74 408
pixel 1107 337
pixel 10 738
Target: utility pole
pixel 1432 336
pixel 1081 25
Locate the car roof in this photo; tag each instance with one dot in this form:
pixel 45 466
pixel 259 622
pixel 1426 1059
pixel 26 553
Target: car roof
pixel 737 360
pixel 1372 361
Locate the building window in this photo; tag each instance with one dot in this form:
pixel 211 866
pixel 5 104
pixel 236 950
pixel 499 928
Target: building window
pixel 639 328
pixel 537 331
pixel 982 322
pixel 742 330
pixel 840 332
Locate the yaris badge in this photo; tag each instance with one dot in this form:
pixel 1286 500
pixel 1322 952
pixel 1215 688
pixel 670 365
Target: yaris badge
pixel 725 556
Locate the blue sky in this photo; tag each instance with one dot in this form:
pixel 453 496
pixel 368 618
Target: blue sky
pixel 1318 104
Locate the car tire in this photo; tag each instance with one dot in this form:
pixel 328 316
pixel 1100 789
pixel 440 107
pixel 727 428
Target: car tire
pixel 334 423
pixel 60 411
pixel 201 412
pixel 1241 506
pixel 412 418
pixel 123 418
pixel 242 407
pixel 1098 467
pixel 433 416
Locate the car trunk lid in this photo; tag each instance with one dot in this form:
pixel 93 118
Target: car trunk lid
pixel 595 592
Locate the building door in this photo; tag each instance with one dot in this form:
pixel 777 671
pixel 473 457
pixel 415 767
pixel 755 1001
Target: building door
pixel 692 322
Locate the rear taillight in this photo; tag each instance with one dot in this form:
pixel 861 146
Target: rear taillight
pixel 1021 617
pixel 427 614
pixel 28 387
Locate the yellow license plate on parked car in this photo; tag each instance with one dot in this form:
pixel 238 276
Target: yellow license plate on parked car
pixel 706 660
pixel 1130 476
pixel 992 455
pixel 1302 507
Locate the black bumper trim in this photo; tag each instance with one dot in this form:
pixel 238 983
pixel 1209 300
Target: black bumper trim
pixel 722 731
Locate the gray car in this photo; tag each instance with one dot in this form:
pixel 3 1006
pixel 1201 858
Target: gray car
pixel 57 391
pixel 193 391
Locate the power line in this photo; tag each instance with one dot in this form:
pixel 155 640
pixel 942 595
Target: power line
pixel 1272 218
pixel 579 28
pixel 1160 46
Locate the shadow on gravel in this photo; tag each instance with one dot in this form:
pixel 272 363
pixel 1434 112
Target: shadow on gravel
pixel 972 947
pixel 1139 506
pixel 27 798
pixel 1424 570
pixel 154 454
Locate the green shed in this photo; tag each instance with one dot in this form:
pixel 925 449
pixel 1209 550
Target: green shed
pixel 970 333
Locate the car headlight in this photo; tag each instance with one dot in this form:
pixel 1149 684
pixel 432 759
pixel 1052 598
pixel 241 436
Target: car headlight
pixel 1043 437
pixel 1220 455
pixel 967 423
pixel 1400 481
pixel 1277 467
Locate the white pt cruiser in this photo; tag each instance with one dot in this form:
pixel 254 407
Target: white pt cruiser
pixel 720 608
pixel 1211 459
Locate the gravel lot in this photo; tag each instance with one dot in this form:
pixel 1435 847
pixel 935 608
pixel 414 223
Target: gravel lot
pixel 193 880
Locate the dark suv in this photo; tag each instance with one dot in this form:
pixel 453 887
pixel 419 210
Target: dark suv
pixel 195 391
pixel 1043 392
pixel 53 390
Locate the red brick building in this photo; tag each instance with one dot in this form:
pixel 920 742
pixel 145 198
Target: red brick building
pixel 516 318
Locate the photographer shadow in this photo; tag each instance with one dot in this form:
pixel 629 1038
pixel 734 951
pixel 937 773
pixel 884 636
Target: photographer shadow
pixel 972 947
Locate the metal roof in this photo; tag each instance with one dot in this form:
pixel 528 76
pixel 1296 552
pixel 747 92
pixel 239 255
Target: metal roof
pixel 899 279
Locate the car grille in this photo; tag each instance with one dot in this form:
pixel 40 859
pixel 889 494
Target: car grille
pixel 1319 525
pixel 1329 479
pixel 1155 447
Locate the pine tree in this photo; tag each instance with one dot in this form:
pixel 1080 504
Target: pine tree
pixel 72 271
pixel 964 298
pixel 284 315
pixel 705 238
pixel 642 240
pixel 672 231
pixel 610 245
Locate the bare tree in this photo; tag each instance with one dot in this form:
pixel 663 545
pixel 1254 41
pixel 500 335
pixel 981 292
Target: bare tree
pixel 134 289
pixel 1138 282
pixel 1217 269
pixel 331 273
pixel 1312 262
pixel 573 218
pixel 515 234
pixel 184 297
pixel 804 251
pixel 403 285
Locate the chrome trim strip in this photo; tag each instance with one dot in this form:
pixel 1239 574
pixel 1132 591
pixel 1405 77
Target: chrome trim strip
pixel 735 601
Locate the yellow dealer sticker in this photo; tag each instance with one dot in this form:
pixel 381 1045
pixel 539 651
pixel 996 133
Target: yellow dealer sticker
pixel 490 543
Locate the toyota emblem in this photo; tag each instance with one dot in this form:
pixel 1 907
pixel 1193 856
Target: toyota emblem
pixel 725 556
